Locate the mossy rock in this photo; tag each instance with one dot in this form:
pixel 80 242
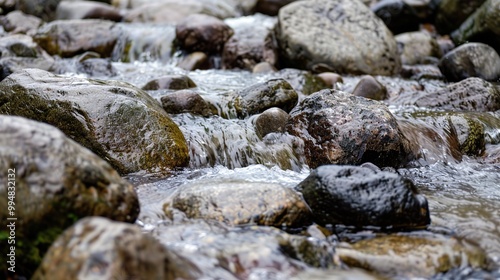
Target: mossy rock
pixel 120 123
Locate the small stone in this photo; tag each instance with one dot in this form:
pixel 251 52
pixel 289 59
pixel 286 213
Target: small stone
pixel 417 47
pixel 170 82
pixel 369 87
pixel 19 22
pixel 87 10
pixel 273 93
pixel 263 67
pixel 330 79
pixel 271 120
pixel 194 61
pixel 185 101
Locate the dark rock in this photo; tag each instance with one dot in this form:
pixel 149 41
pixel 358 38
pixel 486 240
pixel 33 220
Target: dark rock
pixel 397 15
pixel 271 120
pixel 402 256
pixel 331 79
pixel 339 128
pixel 112 251
pixel 313 35
pixel 471 94
pixel 363 197
pixel 67 38
pixel 450 14
pixel 7 5
pixel 57 182
pixel 170 82
pixel 20 45
pixel 194 61
pixel 87 10
pixel 471 60
pixel 273 93
pixel 263 67
pixel 204 33
pixel 271 7
pixel 417 47
pixel 418 72
pixel 19 22
pixel 184 101
pixel 369 87
pixel 118 122
pixel 96 67
pixel 44 9
pixel 251 43
pixel 239 202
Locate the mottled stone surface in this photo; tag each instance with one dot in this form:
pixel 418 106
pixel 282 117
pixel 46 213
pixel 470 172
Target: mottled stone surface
pixel 343 36
pixel 418 47
pixel 56 182
pixel 272 120
pixel 273 93
pixel 362 197
pixel 185 101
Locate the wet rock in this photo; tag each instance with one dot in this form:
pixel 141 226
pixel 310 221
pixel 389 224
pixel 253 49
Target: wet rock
pixel 67 38
pixel 20 45
pixel 174 11
pixel 339 128
pixel 57 182
pixel 9 65
pixel 251 43
pixel 273 93
pixel 471 94
pixel 115 120
pixel 412 255
pixel 96 67
pixel 271 7
pixel 369 87
pixel 302 81
pixel 19 22
pixel 464 273
pixel 244 252
pixel 311 35
pixel 450 14
pixel 111 251
pixel 482 26
pixel 417 47
pixel 421 72
pixel 363 197
pixel 44 9
pixel 185 101
pixel 331 79
pixel 204 33
pixel 170 82
pixel 471 60
pixel 271 120
pixel 87 10
pixel 240 202
pixel 398 15
pixel 263 67
pixel 335 274
pixel 492 154
pixel 194 61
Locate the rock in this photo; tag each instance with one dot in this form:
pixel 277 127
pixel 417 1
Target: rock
pixel 7 5
pixel 117 121
pixel 363 197
pixel 174 11
pixel 331 79
pixel 302 81
pixel 313 35
pixel 204 33
pixel 271 7
pixel 170 82
pixel 263 67
pixel 273 93
pixel 339 128
pixel 471 60
pixel 271 120
pixel 369 87
pixel 96 67
pixel 412 255
pixel 239 202
pixel 398 15
pixel 99 248
pixel 450 14
pixel 251 43
pixel 67 38
pixel 245 252
pixel 9 65
pixel 56 182
pixel 87 10
pixel 19 22
pixel 421 72
pixel 185 101
pixel 471 94
pixel 482 26
pixel 194 61
pixel 417 47
pixel 20 45
pixel 44 9
pixel 335 274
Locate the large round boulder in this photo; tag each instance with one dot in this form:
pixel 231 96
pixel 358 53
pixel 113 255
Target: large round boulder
pixel 120 123
pixel 342 36
pixel 339 128
pixel 363 197
pixel 48 182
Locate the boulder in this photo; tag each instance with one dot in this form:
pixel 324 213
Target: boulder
pixel 97 248
pixel 67 38
pixel 78 9
pixel 342 36
pixel 19 22
pixel 471 60
pixel 405 256
pixel 118 122
pixel 369 87
pixel 273 93
pixel 339 128
pixel 418 47
pixel 204 33
pixel 54 181
pixel 363 197
pixel 239 202
pixel 398 15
